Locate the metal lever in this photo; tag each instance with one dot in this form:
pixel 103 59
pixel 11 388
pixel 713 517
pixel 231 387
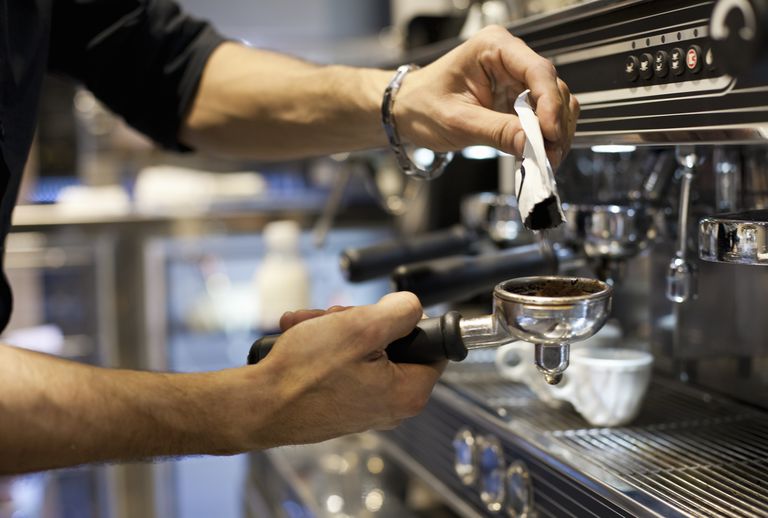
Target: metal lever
pixel 681 280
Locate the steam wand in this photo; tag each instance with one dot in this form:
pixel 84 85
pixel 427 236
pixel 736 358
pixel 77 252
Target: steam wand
pixel 681 280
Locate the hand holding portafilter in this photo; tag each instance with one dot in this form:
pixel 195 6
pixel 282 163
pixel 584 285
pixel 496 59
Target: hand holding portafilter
pixel 550 312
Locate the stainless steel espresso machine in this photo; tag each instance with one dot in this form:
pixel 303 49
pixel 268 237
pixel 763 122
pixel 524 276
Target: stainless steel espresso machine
pixel 666 200
pixel 678 91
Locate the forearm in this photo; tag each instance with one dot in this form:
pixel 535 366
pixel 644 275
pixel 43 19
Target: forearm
pixel 259 104
pixel 58 413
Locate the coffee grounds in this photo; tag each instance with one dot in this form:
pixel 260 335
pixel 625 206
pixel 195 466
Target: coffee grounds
pixel 545 215
pixel 556 288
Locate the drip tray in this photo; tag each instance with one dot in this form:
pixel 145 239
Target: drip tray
pixel 700 454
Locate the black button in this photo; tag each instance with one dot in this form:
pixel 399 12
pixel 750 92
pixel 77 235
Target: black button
pixel 646 66
pixel 676 61
pixel 661 63
pixel 631 67
pixel 693 59
pixel 2 132
pixel 709 60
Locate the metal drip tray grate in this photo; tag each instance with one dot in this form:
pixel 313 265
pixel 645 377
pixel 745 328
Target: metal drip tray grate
pixel 701 454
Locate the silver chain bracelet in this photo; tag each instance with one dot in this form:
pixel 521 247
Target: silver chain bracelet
pixel 437 167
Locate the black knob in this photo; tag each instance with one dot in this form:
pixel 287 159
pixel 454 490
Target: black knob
pixel 661 63
pixel 738 32
pixel 646 66
pixel 631 68
pixel 677 61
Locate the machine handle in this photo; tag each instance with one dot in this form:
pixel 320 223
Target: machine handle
pixel 460 278
pixel 432 340
pixel 362 264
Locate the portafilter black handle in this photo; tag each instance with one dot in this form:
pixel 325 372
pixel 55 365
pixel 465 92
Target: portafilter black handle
pixel 362 264
pixel 432 340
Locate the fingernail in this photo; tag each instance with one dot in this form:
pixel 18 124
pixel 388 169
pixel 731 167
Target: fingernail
pixel 287 314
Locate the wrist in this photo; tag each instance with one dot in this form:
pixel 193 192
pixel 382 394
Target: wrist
pixel 372 84
pixel 246 403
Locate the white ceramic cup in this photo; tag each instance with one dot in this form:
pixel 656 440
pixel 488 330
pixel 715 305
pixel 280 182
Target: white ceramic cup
pixel 605 385
pixel 514 362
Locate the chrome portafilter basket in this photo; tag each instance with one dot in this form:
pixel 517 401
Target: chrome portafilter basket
pixel 550 312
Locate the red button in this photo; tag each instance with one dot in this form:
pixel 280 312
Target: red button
pixel 693 58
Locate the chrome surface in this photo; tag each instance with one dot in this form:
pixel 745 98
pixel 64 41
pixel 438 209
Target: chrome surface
pixel 610 231
pixel 551 361
pixel 465 456
pixel 740 238
pixel 492 214
pixel 530 309
pixel 688 453
pixel 519 489
pixel 480 332
pixel 492 468
pixel 681 273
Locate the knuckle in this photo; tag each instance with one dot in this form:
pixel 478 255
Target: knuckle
pixel 546 66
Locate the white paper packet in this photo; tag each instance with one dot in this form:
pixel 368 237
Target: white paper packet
pixel 535 184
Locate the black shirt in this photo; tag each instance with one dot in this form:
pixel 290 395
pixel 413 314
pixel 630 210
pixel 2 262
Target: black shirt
pixel 142 58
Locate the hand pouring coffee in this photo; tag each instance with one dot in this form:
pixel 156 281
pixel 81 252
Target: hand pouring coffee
pixel 550 312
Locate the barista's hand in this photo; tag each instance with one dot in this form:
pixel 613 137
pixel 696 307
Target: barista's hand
pixel 291 318
pixel 466 97
pixel 328 375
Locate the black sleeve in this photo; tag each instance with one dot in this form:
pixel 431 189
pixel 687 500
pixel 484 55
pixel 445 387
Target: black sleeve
pixel 142 58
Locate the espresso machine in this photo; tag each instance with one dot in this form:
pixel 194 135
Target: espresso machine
pixel 672 97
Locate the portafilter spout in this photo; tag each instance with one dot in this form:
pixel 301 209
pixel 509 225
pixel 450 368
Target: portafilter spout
pixel 550 312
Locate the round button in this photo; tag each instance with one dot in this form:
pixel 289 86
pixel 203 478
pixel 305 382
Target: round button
pixel 492 471
pixel 661 63
pixel 693 59
pixel 676 61
pixel 519 491
pixel 465 456
pixel 646 66
pixel 631 68
pixel 709 60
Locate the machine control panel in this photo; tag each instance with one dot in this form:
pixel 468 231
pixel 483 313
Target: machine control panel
pixel 672 64
pixel 660 71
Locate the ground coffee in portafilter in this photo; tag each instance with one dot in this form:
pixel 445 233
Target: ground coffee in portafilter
pixel 556 288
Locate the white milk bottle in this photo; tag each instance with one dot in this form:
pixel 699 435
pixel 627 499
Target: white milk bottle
pixel 282 281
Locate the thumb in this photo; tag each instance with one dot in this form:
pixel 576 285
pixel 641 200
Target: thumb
pixel 377 325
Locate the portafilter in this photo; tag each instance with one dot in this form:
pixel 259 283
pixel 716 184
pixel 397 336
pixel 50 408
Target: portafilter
pixel 550 312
